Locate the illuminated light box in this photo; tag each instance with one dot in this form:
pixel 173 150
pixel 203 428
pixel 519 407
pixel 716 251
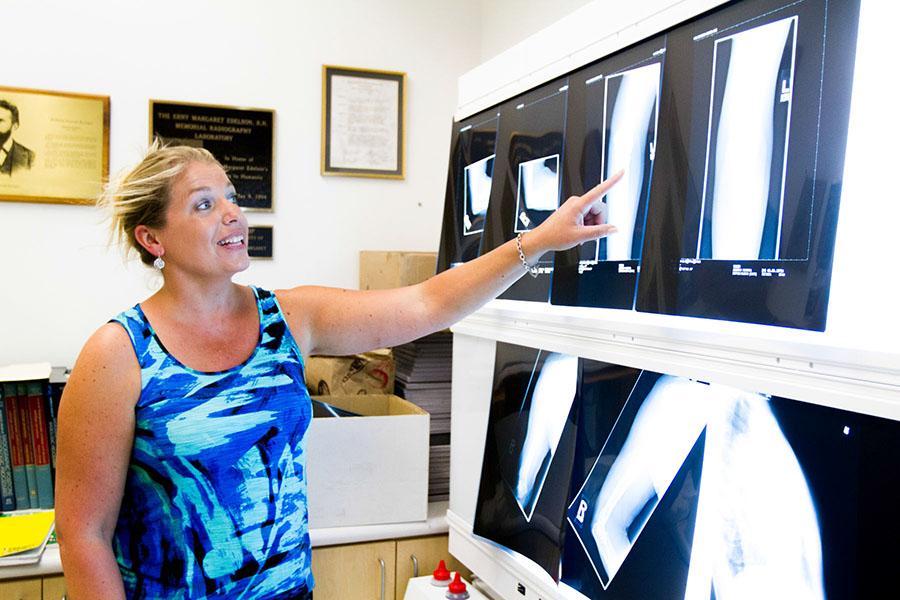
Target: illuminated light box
pixel 469 184
pixel 611 125
pixel 749 165
pixel 528 453
pixel 527 177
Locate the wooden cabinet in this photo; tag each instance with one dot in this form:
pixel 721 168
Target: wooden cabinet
pixel 21 589
pixel 54 588
pixel 354 571
pixel 33 588
pixel 424 552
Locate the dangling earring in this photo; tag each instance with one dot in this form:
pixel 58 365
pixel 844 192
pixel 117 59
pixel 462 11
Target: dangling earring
pixel 159 263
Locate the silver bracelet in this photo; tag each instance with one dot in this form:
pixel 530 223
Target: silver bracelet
pixel 531 270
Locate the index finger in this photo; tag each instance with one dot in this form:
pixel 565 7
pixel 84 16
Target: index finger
pixel 598 191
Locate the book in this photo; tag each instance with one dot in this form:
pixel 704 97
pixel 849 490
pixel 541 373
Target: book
pixel 27 444
pixel 40 441
pixel 7 490
pixel 17 453
pixel 24 535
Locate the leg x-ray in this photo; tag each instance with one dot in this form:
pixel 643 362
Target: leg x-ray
pixel 550 396
pixel 538 192
pixel 631 112
pixel 747 144
pixel 477 194
pixel 656 431
pixel 529 446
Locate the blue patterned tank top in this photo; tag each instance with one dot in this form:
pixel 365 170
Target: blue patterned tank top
pixel 215 494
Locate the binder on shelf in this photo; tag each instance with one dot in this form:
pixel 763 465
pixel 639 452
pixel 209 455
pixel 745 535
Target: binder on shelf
pixel 7 489
pixel 24 535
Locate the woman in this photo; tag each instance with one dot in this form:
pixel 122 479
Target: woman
pixel 180 469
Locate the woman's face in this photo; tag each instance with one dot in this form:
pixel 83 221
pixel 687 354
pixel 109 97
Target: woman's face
pixel 206 231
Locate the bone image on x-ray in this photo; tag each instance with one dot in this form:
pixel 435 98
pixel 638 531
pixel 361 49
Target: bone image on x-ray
pixel 747 154
pixel 628 119
pixel 665 428
pixel 538 191
pixel 477 193
pixel 551 401
pixel 756 533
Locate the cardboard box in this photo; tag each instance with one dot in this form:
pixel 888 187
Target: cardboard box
pixel 367 373
pixel 386 270
pixel 371 469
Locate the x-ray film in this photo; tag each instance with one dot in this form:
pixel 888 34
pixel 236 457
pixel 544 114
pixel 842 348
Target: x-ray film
pixel 477 194
pixel 528 178
pixel 656 431
pixel 747 144
pixel 749 164
pixel 704 491
pixel 631 110
pixel 612 122
pixel 538 192
pixel 469 184
pixel 528 453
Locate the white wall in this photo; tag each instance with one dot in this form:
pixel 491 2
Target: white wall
pixel 58 282
pixel 505 23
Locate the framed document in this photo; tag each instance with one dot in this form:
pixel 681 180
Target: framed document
pixel 54 146
pixel 363 122
pixel 260 243
pixel 242 139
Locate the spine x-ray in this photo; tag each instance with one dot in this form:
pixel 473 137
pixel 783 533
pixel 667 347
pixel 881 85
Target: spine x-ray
pixel 538 192
pixel 631 112
pixel 747 143
pixel 477 194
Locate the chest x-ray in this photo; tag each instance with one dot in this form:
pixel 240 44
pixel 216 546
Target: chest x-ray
pixel 537 193
pixel 747 143
pixel 477 194
pixel 756 533
pixel 631 112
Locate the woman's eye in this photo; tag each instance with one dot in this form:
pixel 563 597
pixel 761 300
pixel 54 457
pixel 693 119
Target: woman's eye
pixel 204 205
pixel 232 198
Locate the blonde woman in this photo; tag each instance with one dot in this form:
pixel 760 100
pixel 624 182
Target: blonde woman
pixel 181 463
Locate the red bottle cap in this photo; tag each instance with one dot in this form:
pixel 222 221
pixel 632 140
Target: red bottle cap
pixel 457 586
pixel 441 573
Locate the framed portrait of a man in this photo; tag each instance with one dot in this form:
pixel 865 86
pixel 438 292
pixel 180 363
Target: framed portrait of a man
pixel 54 146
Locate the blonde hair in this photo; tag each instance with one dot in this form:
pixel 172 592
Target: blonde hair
pixel 140 196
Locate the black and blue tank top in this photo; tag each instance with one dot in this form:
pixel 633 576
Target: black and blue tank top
pixel 215 494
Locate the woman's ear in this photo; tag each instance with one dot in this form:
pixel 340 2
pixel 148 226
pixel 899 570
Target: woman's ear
pixel 148 240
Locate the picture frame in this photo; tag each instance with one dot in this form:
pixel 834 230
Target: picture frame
pixel 261 242
pixel 241 138
pixel 363 122
pixel 54 146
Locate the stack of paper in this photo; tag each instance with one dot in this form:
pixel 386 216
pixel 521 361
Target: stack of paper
pixel 23 536
pixel 424 369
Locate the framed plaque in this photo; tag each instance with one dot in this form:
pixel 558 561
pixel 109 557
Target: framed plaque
pixel 260 241
pixel 54 146
pixel 242 139
pixel 363 122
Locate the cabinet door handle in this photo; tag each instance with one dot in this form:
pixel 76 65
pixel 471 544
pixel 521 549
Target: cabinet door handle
pixel 381 563
pixel 415 562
